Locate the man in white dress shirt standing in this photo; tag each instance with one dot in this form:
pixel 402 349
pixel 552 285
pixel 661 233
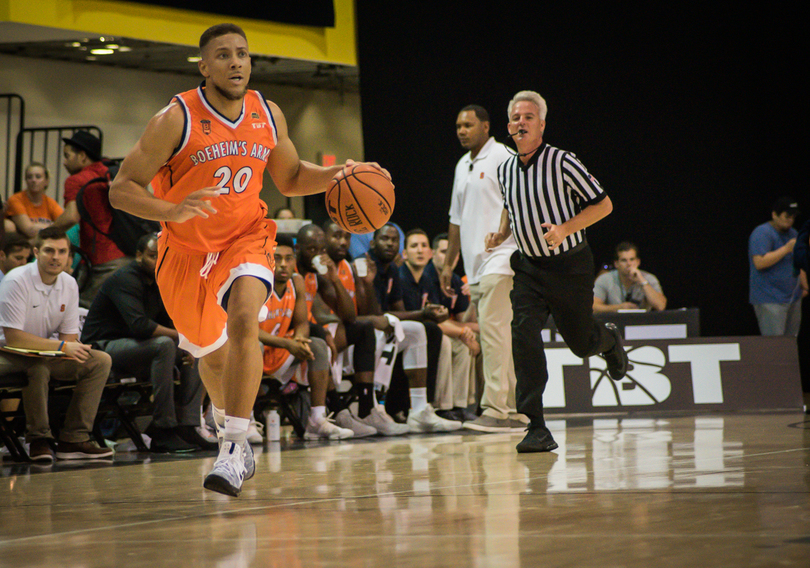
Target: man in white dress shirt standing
pixel 475 210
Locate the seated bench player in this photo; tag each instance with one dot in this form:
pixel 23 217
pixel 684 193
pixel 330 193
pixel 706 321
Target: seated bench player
pixel 289 351
pixel 361 336
pixel 331 301
pixel 402 329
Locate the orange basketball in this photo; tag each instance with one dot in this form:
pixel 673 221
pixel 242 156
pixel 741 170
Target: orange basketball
pixel 360 199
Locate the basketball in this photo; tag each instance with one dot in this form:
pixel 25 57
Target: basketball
pixel 360 199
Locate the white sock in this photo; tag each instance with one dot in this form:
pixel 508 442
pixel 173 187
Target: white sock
pixel 317 414
pixel 236 429
pixel 418 399
pixel 219 417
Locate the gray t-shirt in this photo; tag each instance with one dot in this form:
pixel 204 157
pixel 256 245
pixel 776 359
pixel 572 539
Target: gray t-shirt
pixel 608 288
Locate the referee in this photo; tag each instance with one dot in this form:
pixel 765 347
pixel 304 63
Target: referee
pixel 550 198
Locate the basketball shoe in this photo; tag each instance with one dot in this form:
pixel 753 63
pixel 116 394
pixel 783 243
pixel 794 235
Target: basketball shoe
pixel 426 421
pixel 229 470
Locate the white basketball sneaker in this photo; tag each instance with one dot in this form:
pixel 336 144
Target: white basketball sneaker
pixel 426 421
pixel 383 423
pixel 326 430
pixel 229 471
pixel 346 419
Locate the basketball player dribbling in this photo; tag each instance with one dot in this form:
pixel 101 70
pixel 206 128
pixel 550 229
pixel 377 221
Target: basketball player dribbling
pixel 204 155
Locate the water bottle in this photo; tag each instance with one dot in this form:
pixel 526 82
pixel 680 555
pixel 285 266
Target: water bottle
pixel 273 429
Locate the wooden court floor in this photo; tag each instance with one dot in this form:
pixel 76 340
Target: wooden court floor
pixel 696 491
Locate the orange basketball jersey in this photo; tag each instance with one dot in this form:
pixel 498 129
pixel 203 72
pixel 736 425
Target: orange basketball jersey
pixel 215 151
pixel 347 279
pixel 279 318
pixel 311 287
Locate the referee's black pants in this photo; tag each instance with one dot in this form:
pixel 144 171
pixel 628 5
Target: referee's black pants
pixel 563 287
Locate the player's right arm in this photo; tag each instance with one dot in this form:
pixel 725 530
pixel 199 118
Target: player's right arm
pixel 156 145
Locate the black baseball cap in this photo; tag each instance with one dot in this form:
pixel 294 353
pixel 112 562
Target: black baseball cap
pixel 83 140
pixel 786 203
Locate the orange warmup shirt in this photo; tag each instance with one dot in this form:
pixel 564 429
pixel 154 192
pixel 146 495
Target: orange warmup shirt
pixel 278 322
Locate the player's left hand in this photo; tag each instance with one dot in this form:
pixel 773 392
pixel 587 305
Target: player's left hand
pixel 554 235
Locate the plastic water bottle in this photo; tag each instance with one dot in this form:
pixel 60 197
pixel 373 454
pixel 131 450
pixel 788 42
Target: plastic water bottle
pixel 273 421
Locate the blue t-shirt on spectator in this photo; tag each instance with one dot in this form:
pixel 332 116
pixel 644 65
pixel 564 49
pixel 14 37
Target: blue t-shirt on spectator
pixel 360 244
pixel 428 290
pixel 776 284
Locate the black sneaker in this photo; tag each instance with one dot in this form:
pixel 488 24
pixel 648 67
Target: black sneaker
pixel 190 435
pixel 537 440
pixel 165 441
pixel 616 358
pixel 449 414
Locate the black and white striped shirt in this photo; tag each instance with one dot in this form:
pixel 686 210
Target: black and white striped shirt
pixel 552 187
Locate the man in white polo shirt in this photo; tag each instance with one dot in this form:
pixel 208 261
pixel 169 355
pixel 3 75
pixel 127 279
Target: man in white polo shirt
pixel 475 210
pixel 37 302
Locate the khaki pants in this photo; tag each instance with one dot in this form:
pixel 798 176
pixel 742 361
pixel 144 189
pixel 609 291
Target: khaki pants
pixel 90 377
pixel 455 377
pixel 494 308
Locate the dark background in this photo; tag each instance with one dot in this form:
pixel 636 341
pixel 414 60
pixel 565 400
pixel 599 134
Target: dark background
pixel 690 120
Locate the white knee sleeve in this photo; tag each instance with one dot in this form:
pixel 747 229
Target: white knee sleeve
pixel 414 346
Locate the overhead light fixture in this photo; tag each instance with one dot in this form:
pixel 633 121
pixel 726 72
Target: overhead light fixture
pixel 75 44
pixel 124 49
pixel 112 46
pixel 193 58
pixel 102 51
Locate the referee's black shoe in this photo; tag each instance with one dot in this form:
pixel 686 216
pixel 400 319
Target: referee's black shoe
pixel 538 439
pixel 616 358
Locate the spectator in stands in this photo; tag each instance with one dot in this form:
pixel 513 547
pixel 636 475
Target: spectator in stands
pixel 420 287
pixel 15 251
pixel 288 348
pixel 37 301
pixel 31 210
pixel 403 329
pixel 774 288
pixel 284 213
pixel 82 160
pixel 627 287
pixel 127 321
pixel 475 210
pixel 331 303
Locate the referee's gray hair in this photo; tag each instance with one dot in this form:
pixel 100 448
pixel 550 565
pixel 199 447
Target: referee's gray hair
pixel 531 97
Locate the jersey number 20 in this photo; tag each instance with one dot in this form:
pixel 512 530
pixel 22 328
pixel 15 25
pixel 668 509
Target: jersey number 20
pixel 240 180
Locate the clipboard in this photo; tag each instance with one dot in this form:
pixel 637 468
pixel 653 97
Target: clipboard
pixel 32 352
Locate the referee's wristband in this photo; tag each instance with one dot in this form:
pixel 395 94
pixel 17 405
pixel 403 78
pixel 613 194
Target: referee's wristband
pixel 61 346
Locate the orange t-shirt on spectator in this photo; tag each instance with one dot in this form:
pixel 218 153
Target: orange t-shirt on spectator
pixel 20 204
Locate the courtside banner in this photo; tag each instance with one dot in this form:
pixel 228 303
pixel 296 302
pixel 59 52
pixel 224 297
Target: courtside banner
pixel 714 373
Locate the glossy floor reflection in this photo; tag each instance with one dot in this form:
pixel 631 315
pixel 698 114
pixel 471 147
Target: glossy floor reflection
pixel 719 490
